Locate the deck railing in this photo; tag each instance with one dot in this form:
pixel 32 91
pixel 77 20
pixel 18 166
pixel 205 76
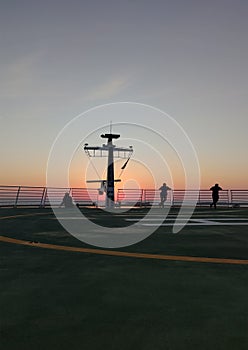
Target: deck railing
pixel 147 197
pixel 16 196
pixel 130 197
pixel 239 197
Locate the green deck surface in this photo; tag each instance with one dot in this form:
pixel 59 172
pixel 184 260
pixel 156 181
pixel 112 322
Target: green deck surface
pixel 54 299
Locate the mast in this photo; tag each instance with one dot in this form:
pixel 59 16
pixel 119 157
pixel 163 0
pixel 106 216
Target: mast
pixel 110 195
pixel 112 152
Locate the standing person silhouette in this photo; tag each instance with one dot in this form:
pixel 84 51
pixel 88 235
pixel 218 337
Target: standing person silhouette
pixel 215 194
pixel 163 194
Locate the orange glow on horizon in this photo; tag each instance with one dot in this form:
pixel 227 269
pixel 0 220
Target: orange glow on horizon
pixel 34 174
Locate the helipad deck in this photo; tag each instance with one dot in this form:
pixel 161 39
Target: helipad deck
pixel 186 290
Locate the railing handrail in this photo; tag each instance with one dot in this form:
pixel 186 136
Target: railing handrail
pixel 38 195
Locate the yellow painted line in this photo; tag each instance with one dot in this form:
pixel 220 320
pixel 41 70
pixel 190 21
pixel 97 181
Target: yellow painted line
pixel 124 254
pixel 21 215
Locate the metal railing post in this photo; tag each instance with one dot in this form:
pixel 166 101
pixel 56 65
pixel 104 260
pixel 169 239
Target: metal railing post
pixel 230 198
pixel 43 197
pixel 17 196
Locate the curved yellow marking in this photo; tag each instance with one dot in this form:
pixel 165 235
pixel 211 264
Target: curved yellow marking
pixel 124 254
pixel 21 215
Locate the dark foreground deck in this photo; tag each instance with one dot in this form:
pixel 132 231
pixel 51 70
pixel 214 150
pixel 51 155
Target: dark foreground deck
pixel 81 299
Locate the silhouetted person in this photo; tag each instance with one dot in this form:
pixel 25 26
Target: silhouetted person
pixel 163 194
pixel 67 201
pixel 215 194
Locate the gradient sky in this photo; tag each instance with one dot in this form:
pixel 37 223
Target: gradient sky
pixel 185 57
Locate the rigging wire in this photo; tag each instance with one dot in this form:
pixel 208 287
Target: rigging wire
pixel 124 166
pixel 93 166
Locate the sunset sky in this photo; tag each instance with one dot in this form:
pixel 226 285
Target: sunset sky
pixel 187 58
